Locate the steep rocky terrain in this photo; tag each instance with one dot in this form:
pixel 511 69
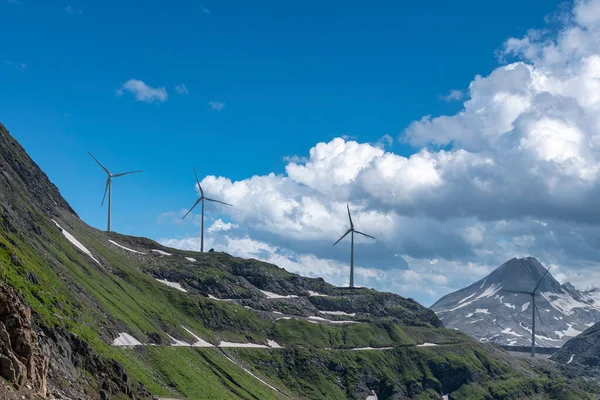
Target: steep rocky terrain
pixel 488 314
pixel 21 360
pixel 99 315
pixel 582 353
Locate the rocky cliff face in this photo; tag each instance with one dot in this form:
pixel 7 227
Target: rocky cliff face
pixel 488 314
pixel 41 359
pixel 21 360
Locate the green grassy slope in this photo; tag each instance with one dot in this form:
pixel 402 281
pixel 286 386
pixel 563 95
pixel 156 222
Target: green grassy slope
pixel 119 293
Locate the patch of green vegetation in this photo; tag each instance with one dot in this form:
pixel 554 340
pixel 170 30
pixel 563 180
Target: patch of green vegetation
pixel 303 333
pixel 464 371
pixel 434 335
pixel 194 373
pixel 70 290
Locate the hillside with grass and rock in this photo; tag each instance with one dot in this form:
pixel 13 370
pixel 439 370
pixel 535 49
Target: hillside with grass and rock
pixel 86 314
pixel 582 353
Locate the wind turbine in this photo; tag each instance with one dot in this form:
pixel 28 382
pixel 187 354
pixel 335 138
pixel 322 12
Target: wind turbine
pixel 201 200
pixel 109 185
pixel 351 231
pixel 534 309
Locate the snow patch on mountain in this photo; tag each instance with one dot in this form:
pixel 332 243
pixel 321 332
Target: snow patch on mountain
pixel 246 345
pixel 565 303
pixel 538 335
pixel 76 242
pixel 271 295
pixel 466 298
pixel 570 331
pixel 126 339
pixel 489 292
pixel 313 318
pixel 125 248
pixel 164 253
pixel 338 313
pixel 509 331
pixel 178 342
pixel 199 342
pixel 174 285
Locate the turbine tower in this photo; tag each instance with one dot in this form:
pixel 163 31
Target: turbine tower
pixel 534 309
pixel 352 231
pixel 201 200
pixel 109 186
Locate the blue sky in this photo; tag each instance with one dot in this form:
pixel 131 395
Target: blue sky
pixel 291 74
pixel 283 75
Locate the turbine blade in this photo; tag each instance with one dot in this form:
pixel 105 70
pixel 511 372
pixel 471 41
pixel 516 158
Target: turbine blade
pixel 105 191
pixel 349 216
pixel 198 181
pixel 538 314
pixel 194 206
pixel 347 232
pixel 218 201
pixel 364 234
pixel 516 291
pixel 126 173
pixel 543 276
pixel 102 166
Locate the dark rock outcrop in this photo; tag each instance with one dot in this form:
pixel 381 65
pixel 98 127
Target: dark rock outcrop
pixel 21 361
pixel 70 356
pixel 582 352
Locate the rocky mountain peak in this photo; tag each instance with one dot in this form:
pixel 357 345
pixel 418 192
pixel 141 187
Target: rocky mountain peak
pixel 487 313
pixel 523 274
pixel 569 288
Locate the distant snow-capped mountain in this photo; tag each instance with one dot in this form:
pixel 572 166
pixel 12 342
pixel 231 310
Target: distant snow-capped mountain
pixel 486 313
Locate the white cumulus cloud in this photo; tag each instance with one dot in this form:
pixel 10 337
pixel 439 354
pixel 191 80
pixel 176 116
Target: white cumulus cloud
pixel 220 226
pixel 143 92
pixel 518 175
pixel 453 95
